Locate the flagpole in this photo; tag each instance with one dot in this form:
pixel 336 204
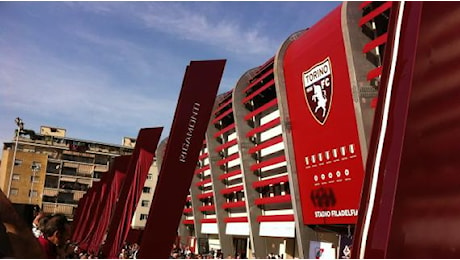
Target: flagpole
pixel 20 125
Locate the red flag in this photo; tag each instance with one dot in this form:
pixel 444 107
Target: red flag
pixel 138 169
pixel 77 216
pixel 191 119
pixel 99 201
pixel 80 223
pixel 88 218
pixel 120 166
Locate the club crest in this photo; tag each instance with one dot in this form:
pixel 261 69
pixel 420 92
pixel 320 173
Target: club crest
pixel 318 86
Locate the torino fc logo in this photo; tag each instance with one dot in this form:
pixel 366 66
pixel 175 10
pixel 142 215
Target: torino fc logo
pixel 317 82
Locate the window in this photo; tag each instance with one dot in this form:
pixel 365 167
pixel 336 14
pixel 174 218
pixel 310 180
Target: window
pixel 146 190
pixel 101 159
pixel 33 193
pixel 145 203
pixel 149 176
pixel 144 216
pixel 264 191
pixel 16 177
pixel 277 189
pixel 14 191
pixel 17 162
pixel 35 179
pixel 232 197
pixel 97 175
pixel 271 190
pixel 240 196
pixel 285 188
pixel 36 165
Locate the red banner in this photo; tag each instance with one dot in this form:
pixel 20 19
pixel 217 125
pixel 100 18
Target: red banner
pixel 141 160
pixel 77 217
pixel 85 220
pixel 196 100
pixel 324 129
pixel 97 207
pixel 120 166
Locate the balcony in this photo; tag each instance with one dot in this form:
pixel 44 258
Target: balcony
pixel 207 208
pixel 275 202
pixel 73 186
pixel 51 182
pixel 76 158
pixel 53 167
pixel 188 222
pixel 69 171
pixel 188 211
pixel 235 204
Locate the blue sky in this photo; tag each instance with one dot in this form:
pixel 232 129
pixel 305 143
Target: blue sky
pixel 103 70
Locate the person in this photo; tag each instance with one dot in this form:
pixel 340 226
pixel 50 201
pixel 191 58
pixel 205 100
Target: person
pixel 212 252
pixel 55 235
pixel 187 250
pixel 135 250
pixel 36 224
pixel 123 254
pixel 219 254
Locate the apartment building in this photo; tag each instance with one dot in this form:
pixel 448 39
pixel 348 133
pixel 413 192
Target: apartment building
pixel 143 206
pixel 53 171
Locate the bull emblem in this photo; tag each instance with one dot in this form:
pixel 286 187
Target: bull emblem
pixel 319 97
pixel 317 82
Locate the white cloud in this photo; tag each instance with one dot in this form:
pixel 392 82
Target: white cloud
pixel 191 25
pixel 100 8
pixel 40 86
pixel 70 90
pixel 120 50
pixel 47 88
pixel 198 25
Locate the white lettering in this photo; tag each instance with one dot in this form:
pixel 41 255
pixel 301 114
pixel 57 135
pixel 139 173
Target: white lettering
pixel 191 127
pixel 323 214
pixel 317 73
pixel 336 213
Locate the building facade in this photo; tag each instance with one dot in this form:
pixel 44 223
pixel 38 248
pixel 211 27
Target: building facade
pixel 282 164
pixel 53 171
pixel 143 206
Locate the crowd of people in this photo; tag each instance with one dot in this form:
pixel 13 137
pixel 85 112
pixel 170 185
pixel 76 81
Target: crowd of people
pixel 52 234
pixel 129 251
pixel 184 252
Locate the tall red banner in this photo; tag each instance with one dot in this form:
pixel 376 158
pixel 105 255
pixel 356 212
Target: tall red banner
pixel 77 217
pixel 86 219
pixel 196 100
pixel 120 166
pixel 141 160
pixel 324 128
pixel 97 206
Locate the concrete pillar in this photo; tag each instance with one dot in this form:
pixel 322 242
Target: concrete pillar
pixel 259 248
